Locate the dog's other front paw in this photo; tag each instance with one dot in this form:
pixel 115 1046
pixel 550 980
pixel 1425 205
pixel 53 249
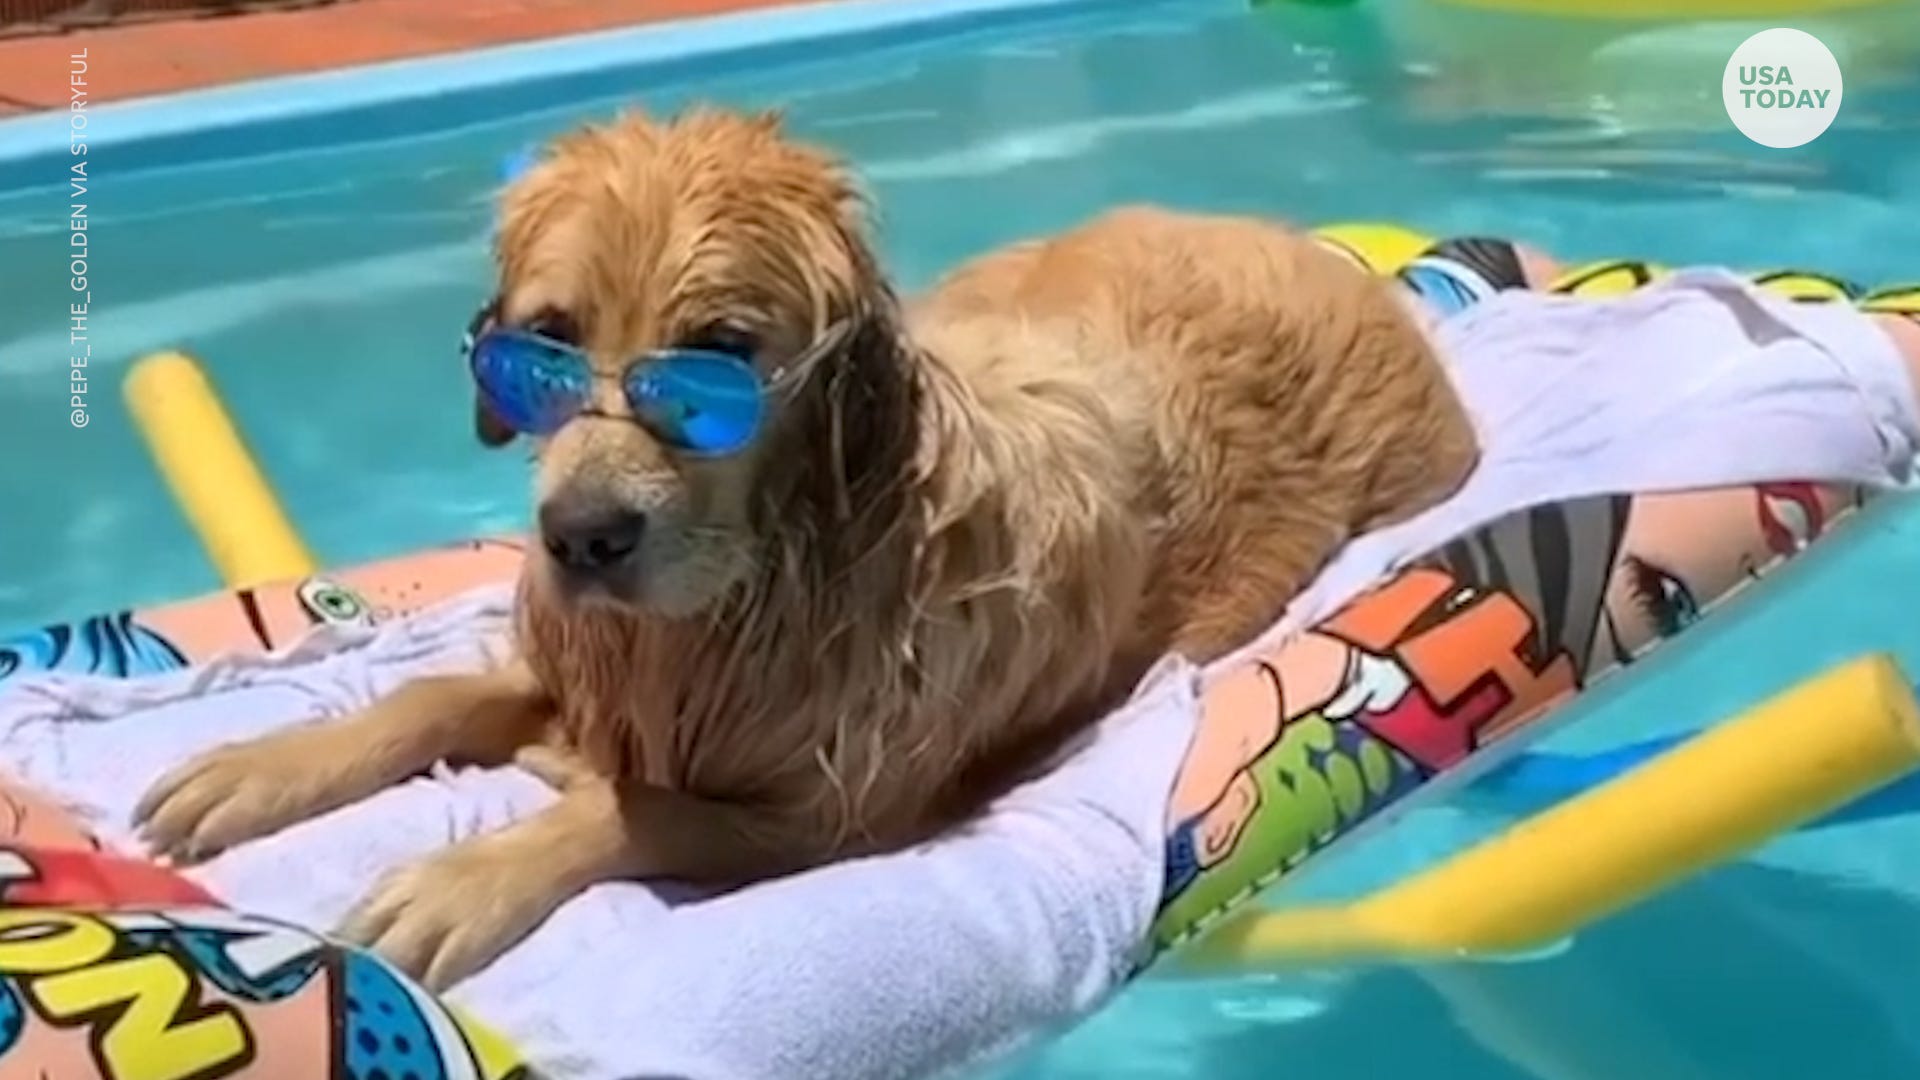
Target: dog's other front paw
pixel 236 793
pixel 445 918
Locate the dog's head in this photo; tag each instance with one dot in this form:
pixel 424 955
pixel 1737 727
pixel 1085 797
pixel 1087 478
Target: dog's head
pixel 712 232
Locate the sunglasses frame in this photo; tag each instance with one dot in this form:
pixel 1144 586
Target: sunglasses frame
pixel 486 322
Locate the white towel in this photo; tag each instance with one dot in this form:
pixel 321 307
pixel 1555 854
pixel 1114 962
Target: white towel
pixel 893 967
pixel 1698 381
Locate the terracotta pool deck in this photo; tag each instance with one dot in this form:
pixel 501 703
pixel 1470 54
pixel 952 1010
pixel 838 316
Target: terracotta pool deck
pixel 144 58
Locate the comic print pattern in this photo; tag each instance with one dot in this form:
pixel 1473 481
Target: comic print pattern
pixel 114 645
pixel 129 644
pixel 116 969
pixel 1489 634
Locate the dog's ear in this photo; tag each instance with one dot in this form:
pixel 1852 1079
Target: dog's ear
pixel 492 432
pixel 870 410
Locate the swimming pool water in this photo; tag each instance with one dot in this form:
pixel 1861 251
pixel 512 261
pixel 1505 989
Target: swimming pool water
pixel 326 289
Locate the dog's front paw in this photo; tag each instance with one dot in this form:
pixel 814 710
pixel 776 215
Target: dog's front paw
pixel 445 918
pixel 236 793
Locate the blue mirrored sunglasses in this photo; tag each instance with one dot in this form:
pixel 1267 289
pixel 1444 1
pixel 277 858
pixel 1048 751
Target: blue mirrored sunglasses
pixel 697 401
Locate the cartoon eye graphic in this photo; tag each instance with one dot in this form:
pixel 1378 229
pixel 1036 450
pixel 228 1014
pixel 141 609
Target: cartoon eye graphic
pixel 331 604
pixel 1665 599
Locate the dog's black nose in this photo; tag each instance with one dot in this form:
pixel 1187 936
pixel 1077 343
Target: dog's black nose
pixel 590 538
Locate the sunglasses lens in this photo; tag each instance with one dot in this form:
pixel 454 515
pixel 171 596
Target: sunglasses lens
pixel 532 385
pixel 708 403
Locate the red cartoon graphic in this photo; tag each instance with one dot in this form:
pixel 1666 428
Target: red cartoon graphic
pixel 1460 657
pixel 89 880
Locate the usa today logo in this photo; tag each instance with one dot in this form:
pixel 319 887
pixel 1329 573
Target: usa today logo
pixel 1782 88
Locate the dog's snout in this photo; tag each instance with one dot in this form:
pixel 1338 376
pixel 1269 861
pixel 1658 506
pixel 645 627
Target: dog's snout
pixel 590 537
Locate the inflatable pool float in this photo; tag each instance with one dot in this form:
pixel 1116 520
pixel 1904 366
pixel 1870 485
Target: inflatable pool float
pixel 114 967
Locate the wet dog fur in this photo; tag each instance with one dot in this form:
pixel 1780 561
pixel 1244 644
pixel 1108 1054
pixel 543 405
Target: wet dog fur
pixel 966 530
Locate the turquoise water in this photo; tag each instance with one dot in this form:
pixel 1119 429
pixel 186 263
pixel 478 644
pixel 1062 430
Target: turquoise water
pixel 326 289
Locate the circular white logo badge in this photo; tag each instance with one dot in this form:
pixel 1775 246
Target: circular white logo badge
pixel 1782 88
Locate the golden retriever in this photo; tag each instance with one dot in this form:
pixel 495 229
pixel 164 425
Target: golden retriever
pixel 966 527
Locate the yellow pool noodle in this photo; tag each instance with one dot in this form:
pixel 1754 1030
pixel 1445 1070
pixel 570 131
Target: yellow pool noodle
pixel 214 480
pixel 1792 758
